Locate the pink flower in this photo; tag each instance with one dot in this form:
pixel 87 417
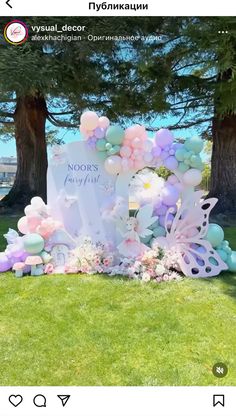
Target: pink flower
pixel 49 268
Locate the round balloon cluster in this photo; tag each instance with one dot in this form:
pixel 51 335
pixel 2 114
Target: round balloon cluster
pixel 189 161
pixel 215 235
pixel 164 149
pixel 37 219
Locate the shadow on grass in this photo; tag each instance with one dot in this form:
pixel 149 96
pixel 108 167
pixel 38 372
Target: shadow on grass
pixel 225 281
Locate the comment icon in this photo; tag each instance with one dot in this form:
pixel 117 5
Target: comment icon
pixel 40 400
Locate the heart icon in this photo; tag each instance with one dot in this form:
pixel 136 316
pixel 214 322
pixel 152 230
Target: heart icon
pixel 15 400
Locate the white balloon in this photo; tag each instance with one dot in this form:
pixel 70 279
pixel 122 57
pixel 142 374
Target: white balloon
pixel 113 165
pixel 192 177
pixel 148 145
pixel 148 157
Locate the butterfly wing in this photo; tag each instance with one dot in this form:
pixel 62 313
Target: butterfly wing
pixel 145 219
pixel 197 258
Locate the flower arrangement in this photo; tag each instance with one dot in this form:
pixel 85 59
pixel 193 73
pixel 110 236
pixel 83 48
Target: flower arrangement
pixel 152 266
pixel 90 258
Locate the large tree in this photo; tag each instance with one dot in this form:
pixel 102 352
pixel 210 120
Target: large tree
pixel 190 74
pixel 53 81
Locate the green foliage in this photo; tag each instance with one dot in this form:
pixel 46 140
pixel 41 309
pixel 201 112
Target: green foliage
pixel 206 178
pixel 163 172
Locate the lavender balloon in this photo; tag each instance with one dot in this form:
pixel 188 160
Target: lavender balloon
pixel 5 263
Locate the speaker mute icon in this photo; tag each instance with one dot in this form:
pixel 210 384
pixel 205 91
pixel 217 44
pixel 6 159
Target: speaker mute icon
pixel 64 399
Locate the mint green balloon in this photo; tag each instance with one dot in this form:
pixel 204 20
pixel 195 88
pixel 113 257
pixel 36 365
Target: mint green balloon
pixel 101 145
pixel 183 167
pixel 215 234
pixel 113 150
pixel 231 262
pixel 223 255
pixel 180 154
pixel 33 243
pixel 108 146
pixel 159 232
pixel 196 162
pixel 115 135
pixel 194 144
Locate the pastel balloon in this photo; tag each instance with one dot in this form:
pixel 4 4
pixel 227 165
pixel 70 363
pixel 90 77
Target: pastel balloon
pixel 170 195
pixel 99 132
pixel 164 137
pixel 171 163
pixel 215 234
pixel 161 210
pixel 28 210
pixel 137 143
pixel 37 202
pixel 33 221
pixel 148 145
pixel 223 255
pixel 192 177
pixel 113 165
pixel 103 122
pixel 156 151
pixel 101 145
pixel 113 150
pixel 115 135
pixel 196 162
pixel 147 157
pixel 125 151
pixel 172 179
pixel 33 243
pixel 231 262
pixel 22 225
pixel 5 263
pixel 194 144
pixel 89 120
pixel 180 154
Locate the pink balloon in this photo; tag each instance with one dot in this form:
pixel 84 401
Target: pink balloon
pixel 103 122
pixel 125 151
pixel 164 137
pixel 172 179
pixel 33 222
pixel 23 225
pixel 170 195
pixel 171 163
pixel 137 143
pixel 89 120
pixel 130 132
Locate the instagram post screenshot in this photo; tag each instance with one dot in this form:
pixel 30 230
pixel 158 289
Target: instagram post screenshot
pixel 117 210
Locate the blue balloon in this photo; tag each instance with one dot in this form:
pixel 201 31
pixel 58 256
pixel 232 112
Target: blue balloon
pixel 215 235
pixel 231 262
pixel 194 144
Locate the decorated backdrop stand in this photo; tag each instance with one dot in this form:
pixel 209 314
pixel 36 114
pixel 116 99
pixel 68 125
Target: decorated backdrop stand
pixel 86 225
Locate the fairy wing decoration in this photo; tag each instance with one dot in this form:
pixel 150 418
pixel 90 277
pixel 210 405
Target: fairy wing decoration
pixel 197 258
pixel 145 219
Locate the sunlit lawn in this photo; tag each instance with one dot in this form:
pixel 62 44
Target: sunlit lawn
pixel 97 330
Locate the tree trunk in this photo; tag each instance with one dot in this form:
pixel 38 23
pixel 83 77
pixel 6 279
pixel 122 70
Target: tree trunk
pixel 30 120
pixel 223 163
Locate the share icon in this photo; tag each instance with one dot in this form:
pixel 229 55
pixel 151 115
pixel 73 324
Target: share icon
pixel 64 399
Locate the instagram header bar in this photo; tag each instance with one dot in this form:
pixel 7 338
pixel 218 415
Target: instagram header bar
pixel 116 8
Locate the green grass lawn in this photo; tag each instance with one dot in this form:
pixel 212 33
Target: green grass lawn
pixel 97 330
